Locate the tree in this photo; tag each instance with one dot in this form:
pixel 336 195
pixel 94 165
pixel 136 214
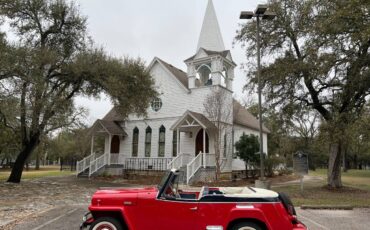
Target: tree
pixel 69 146
pixel 217 107
pixel 247 149
pixel 51 61
pixel 320 60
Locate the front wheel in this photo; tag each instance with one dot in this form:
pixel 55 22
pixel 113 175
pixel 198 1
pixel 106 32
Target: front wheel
pixel 246 226
pixel 106 223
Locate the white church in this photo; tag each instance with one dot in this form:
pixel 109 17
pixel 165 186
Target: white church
pixel 180 129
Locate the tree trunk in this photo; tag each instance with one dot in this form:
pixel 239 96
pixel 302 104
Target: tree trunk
pixel 37 167
pixel 17 170
pixel 61 164
pixel 344 165
pixel 334 170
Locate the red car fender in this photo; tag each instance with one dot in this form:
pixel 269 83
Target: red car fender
pixel 113 209
pixel 253 213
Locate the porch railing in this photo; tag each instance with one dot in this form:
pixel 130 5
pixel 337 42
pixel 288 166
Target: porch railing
pixel 84 163
pixel 194 166
pixel 93 163
pixel 99 163
pixel 146 164
pixel 181 160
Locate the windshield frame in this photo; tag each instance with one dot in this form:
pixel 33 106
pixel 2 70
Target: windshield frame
pixel 164 180
pixel 169 176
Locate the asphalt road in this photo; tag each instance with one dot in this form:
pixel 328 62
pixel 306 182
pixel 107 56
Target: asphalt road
pixel 69 218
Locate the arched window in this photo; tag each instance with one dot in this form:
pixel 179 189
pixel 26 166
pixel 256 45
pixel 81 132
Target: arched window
pixel 148 141
pixel 174 144
pixel 161 141
pixel 204 74
pixel 135 142
pixel 225 145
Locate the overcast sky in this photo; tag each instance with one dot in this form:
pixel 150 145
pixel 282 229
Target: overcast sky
pixel 168 29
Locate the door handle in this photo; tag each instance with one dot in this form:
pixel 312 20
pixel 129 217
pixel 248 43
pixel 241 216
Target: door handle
pixel 194 209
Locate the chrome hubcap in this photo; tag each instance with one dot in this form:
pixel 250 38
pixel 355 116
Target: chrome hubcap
pixel 104 226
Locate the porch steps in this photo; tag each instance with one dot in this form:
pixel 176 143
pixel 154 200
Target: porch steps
pixel 182 175
pixel 84 174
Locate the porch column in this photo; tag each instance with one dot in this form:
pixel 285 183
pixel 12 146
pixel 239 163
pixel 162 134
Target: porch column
pixel 178 141
pixel 110 148
pixel 204 148
pixel 92 144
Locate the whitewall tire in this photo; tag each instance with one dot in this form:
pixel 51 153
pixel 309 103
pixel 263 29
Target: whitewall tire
pixel 106 223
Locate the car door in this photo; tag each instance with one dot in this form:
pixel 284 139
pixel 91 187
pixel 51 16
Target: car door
pixel 176 214
pixel 213 214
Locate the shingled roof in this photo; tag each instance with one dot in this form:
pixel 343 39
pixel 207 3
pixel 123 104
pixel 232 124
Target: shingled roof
pixel 111 127
pixel 244 118
pixel 198 117
pixel 112 115
pixel 210 53
pixel 179 74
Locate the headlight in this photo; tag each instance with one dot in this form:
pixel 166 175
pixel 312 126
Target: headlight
pixel 85 217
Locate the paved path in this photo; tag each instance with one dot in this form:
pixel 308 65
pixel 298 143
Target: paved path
pixel 357 219
pixel 69 218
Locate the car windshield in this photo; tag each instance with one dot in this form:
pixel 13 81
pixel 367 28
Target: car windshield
pixel 164 179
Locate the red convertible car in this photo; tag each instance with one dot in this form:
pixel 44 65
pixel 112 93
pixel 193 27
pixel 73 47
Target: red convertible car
pixel 166 207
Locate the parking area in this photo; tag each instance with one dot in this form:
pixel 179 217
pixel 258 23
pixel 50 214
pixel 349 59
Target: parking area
pixel 69 218
pixel 357 219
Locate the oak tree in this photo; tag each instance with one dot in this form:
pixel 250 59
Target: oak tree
pixel 50 60
pixel 319 58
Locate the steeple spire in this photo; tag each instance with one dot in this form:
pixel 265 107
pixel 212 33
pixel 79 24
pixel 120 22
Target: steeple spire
pixel 210 36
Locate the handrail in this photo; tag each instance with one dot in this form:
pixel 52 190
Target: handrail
pixel 84 164
pixel 98 163
pixel 181 160
pixel 194 166
pixel 174 161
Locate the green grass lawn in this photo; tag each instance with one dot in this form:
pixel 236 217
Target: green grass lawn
pixel 352 178
pixel 33 174
pixel 356 191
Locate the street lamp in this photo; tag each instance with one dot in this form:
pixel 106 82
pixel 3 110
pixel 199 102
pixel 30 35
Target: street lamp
pixel 260 13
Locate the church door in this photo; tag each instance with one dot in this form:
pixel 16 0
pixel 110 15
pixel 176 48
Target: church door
pixel 114 147
pixel 199 143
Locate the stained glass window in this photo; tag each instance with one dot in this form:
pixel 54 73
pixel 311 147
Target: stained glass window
pixel 161 141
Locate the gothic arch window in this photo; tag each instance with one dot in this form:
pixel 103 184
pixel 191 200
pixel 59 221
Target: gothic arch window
pixel 204 74
pixel 225 145
pixel 148 141
pixel 174 143
pixel 161 141
pixel 135 141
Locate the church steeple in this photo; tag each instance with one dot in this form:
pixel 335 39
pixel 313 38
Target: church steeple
pixel 211 65
pixel 210 36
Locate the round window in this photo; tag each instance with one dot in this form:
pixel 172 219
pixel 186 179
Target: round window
pixel 157 104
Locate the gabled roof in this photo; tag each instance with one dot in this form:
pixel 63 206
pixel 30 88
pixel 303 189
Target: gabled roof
pixel 210 35
pixel 112 115
pixel 178 73
pixel 223 54
pixel 111 127
pixel 244 118
pixel 198 117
